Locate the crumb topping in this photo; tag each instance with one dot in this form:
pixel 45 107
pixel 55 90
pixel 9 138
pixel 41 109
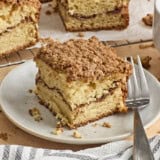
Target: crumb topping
pixel 35 3
pixel 83 59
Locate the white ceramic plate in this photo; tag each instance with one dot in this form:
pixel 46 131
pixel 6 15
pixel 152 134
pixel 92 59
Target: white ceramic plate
pixel 16 100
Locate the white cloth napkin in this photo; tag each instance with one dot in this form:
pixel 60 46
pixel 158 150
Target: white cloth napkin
pixel 121 150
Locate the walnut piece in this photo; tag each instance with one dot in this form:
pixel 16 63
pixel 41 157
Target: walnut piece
pixel 145 61
pixel 148 19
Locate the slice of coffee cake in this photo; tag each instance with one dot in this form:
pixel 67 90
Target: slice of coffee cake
pixel 92 7
pixel 18 24
pixel 82 15
pixel 81 80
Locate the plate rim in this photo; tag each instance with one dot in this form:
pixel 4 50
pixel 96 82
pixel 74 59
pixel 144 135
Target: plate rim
pixel 65 140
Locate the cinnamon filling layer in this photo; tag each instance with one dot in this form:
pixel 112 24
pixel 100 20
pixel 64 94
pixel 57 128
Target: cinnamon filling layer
pixel 100 99
pixel 81 16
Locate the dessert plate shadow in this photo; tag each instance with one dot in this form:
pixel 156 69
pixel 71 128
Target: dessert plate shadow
pixel 16 100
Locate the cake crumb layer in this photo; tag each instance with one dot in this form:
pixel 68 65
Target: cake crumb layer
pixel 81 59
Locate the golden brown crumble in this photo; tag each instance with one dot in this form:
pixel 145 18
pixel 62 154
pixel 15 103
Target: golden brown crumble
pixel 35 3
pixel 4 136
pixel 57 131
pixel 148 19
pixel 76 134
pixel 59 124
pixel 80 34
pixel 83 59
pixel 35 113
pixel 106 124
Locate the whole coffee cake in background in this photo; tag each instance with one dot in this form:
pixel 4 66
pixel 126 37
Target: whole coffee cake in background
pixel 81 80
pixel 18 24
pixel 82 15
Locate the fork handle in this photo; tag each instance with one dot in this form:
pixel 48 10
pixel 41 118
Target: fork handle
pixel 141 148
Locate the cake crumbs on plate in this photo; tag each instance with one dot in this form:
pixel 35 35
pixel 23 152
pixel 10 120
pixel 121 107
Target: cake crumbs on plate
pixel 148 19
pixel 48 12
pixel 30 91
pixel 35 113
pixel 4 136
pixel 76 134
pixel 57 131
pixel 106 124
pixel 59 124
pixel 145 60
pixel 80 34
pixel 144 46
pixel 94 125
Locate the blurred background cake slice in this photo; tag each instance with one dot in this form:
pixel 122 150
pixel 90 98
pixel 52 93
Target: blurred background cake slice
pixel 18 24
pixel 88 8
pixel 81 80
pixel 80 15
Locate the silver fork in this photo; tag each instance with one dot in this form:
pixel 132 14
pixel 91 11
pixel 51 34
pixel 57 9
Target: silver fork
pixel 138 97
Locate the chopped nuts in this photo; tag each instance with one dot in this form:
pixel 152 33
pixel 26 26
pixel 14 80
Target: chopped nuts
pixel 57 131
pixel 148 19
pixel 35 113
pixel 106 124
pixel 76 134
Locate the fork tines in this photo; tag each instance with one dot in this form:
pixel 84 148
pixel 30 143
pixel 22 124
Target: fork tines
pixel 137 84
